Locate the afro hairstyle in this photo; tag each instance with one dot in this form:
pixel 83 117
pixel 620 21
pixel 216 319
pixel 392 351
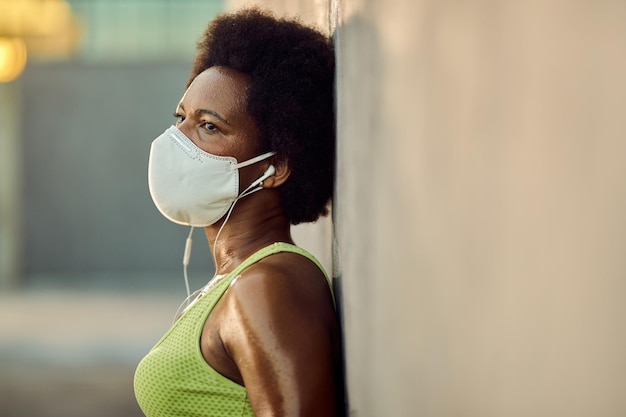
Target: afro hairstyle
pixel 291 98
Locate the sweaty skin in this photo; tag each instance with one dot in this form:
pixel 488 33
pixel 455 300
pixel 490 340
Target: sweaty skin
pixel 275 330
pixel 277 334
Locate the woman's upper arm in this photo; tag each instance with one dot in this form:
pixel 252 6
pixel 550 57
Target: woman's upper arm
pixel 280 337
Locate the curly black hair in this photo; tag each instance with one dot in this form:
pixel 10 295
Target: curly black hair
pixel 291 98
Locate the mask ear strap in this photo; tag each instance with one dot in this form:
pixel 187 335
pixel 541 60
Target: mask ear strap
pixel 255 159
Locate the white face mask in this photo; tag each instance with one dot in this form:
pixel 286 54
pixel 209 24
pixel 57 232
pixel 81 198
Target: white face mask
pixel 192 187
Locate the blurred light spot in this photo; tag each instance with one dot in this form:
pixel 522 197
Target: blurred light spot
pixel 33 17
pixel 13 57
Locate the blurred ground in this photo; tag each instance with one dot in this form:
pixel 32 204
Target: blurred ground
pixel 73 354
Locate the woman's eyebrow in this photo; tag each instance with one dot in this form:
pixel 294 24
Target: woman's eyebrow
pixel 211 112
pixel 205 111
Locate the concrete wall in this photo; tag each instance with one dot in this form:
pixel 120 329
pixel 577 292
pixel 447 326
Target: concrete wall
pixel 486 140
pixel 480 204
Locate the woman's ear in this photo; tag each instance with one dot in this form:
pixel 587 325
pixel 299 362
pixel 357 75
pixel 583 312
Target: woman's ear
pixel 281 173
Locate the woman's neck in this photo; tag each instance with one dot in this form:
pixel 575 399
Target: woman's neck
pixel 254 223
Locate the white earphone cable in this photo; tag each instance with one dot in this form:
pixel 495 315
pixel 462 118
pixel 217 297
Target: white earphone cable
pixel 188 243
pixel 186 257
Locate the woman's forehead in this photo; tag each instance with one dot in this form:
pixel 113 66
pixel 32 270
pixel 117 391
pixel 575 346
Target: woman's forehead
pixel 219 83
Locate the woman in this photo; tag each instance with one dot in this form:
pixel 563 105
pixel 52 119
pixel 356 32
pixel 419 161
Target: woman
pixel 251 153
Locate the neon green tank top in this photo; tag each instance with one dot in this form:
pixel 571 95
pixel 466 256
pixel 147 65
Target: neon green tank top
pixel 175 380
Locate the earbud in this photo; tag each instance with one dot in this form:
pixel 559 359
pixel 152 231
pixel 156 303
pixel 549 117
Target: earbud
pixel 268 173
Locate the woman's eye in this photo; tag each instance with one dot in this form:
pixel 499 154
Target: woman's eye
pixel 179 118
pixel 209 126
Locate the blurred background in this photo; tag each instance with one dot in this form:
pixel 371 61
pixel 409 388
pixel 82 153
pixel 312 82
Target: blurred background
pixel 90 272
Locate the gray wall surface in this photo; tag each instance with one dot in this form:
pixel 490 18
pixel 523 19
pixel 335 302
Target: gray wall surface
pixel 480 200
pixel 88 217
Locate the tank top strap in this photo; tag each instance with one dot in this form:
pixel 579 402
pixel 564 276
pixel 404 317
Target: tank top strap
pixel 278 247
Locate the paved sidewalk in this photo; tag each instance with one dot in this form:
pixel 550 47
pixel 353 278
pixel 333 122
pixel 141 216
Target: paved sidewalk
pixel 70 354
